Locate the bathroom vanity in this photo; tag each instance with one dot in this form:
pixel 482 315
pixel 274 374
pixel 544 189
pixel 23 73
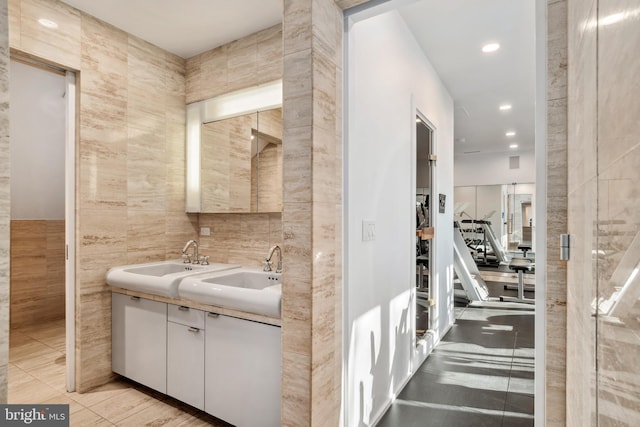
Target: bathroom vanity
pixel 215 362
pixel 221 360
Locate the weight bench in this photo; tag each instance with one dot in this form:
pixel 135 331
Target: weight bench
pixel 520 265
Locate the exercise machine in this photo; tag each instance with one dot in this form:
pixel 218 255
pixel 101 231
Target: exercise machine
pixel 483 227
pixel 520 265
pixel 466 269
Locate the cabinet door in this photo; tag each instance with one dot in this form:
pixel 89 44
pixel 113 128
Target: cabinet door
pixel 185 364
pixel 139 340
pixel 242 371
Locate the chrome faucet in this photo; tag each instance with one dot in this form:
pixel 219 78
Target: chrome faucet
pixel 196 259
pixel 267 261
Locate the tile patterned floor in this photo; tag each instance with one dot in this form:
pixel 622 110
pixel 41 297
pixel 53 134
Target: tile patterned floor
pixel 37 376
pixel 481 374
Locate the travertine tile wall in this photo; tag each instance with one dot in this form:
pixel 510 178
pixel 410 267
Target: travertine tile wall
pixel 37 271
pixel 246 62
pixel 312 226
pixel 556 273
pixel 130 183
pixel 5 188
pixel 240 238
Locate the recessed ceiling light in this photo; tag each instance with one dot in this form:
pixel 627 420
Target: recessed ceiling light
pixel 513 146
pixel 48 23
pixel 490 47
pixel 505 107
pixel 510 133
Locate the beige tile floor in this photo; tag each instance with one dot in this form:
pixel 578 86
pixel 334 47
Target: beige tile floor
pixel 37 376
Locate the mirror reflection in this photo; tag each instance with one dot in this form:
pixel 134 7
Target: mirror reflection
pixel 497 221
pixel 241 163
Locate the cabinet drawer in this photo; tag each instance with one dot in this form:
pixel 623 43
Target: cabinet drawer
pixel 186 316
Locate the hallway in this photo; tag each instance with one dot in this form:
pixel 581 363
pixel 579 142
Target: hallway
pixel 481 374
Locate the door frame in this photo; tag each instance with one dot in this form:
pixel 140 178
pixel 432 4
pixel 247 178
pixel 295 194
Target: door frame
pixel 70 229
pixel 540 211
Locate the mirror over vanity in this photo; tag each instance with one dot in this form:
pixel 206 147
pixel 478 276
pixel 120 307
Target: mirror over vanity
pixel 234 152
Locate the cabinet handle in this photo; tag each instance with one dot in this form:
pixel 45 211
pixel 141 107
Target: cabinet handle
pixel 214 315
pixel 135 298
pixel 183 308
pixel 192 329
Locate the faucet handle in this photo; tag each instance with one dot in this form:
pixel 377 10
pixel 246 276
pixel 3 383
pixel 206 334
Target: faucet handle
pixel 204 260
pixel 186 258
pixel 267 266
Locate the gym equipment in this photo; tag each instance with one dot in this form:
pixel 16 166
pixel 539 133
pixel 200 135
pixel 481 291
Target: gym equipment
pixel 524 247
pixel 488 235
pixel 520 265
pixel 466 269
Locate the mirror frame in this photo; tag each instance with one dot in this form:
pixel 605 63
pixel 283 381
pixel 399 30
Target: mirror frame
pixel 250 100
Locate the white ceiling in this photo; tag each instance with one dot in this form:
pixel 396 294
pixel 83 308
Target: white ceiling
pixel 450 32
pixel 185 27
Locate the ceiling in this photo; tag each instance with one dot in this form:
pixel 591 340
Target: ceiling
pixel 451 33
pixel 185 27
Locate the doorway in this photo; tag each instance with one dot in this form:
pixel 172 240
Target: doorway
pixel 42 127
pixel 425 173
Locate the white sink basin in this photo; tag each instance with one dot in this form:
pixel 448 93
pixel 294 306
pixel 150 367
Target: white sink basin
pixel 245 289
pixel 158 278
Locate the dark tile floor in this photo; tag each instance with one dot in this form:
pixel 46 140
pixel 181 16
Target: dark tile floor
pixel 481 374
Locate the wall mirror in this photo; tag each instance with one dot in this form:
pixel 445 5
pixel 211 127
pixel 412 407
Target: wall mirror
pixel 507 209
pixel 234 152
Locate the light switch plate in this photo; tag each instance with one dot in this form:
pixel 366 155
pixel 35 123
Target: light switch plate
pixel 368 230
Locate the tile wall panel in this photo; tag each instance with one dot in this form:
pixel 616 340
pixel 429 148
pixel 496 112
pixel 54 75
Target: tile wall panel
pixel 37 272
pixel 246 62
pixel 102 188
pixel 312 296
pixel 60 45
pixel 14 7
pixel 5 188
pixel 556 273
pixel 240 238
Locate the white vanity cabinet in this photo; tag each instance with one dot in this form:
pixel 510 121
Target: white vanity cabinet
pixel 243 370
pixel 185 355
pixel 139 340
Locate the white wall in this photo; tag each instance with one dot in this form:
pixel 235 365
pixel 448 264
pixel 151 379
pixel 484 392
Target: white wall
pixel 493 168
pixel 388 77
pixel 37 130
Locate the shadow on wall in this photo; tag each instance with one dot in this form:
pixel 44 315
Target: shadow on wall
pixel 375 402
